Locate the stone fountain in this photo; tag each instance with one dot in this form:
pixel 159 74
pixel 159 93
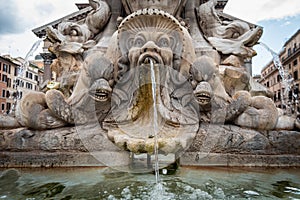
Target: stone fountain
pixel 103 102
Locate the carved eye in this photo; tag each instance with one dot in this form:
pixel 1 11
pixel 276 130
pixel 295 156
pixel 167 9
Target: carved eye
pixel 235 35
pixel 139 42
pixel 164 42
pixel 73 32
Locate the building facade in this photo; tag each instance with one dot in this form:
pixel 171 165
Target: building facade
pixel 8 72
pixel 290 60
pixel 15 81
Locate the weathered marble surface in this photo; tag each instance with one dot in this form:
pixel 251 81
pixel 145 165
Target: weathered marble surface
pixel 58 147
pixel 124 69
pixel 235 140
pixel 225 145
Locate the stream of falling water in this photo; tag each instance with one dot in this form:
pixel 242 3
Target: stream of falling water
pixel 286 79
pixel 21 70
pixel 158 191
pixel 155 123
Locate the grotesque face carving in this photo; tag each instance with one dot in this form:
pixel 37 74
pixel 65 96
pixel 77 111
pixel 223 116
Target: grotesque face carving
pixel 150 87
pixel 151 45
pixel 151 33
pixel 100 71
pixel 203 71
pixel 203 93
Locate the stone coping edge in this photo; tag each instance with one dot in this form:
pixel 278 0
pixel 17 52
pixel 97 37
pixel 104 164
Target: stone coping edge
pixel 85 159
pixel 239 160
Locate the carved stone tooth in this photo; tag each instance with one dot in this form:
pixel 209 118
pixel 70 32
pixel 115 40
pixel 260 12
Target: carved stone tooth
pixel 147 60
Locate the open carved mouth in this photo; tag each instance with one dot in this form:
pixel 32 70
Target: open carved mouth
pixel 203 97
pixel 147 58
pixel 251 37
pixel 100 95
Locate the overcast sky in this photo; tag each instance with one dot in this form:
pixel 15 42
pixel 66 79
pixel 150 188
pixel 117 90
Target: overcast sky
pixel 280 19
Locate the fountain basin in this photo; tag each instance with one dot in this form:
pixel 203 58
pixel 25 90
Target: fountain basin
pixel 213 145
pixel 187 183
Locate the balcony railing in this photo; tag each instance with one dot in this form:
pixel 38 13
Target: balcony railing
pixel 291 56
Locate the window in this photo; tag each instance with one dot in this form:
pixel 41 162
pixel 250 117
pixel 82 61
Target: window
pixel 296 75
pixel 278 78
pixel 5 67
pixel 7 94
pixel 2 106
pixel 295 47
pixel 279 95
pixel 3 93
pixel 16 71
pixel 295 62
pixel 290 66
pixel 28 85
pixel 289 51
pixel 8 106
pixel 8 82
pixel 268 85
pixel 296 89
pixel 30 75
pixel 4 78
pixel 36 78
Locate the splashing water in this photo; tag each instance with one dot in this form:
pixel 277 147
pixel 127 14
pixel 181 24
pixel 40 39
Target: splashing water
pixel 287 80
pixel 30 53
pixel 155 123
pixel 189 184
pixel 21 70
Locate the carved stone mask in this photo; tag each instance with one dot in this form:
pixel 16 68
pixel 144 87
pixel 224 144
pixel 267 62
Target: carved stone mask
pixel 150 33
pixel 154 45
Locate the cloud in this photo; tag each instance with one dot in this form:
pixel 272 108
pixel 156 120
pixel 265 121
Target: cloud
pixel 10 21
pixel 286 23
pixel 19 17
pixel 44 8
pixel 259 10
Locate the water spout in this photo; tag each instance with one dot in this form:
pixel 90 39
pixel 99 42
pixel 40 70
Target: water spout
pixel 155 122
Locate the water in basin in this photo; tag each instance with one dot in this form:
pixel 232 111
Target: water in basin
pixel 187 183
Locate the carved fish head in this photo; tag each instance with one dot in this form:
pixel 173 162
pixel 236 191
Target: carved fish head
pixel 203 93
pixel 100 71
pixel 69 32
pixel 100 90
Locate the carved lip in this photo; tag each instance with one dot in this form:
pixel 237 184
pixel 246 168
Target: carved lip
pixel 146 57
pixel 252 37
pixel 203 97
pixel 54 35
pixel 100 95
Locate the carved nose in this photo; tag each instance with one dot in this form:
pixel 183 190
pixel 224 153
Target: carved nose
pixel 150 46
